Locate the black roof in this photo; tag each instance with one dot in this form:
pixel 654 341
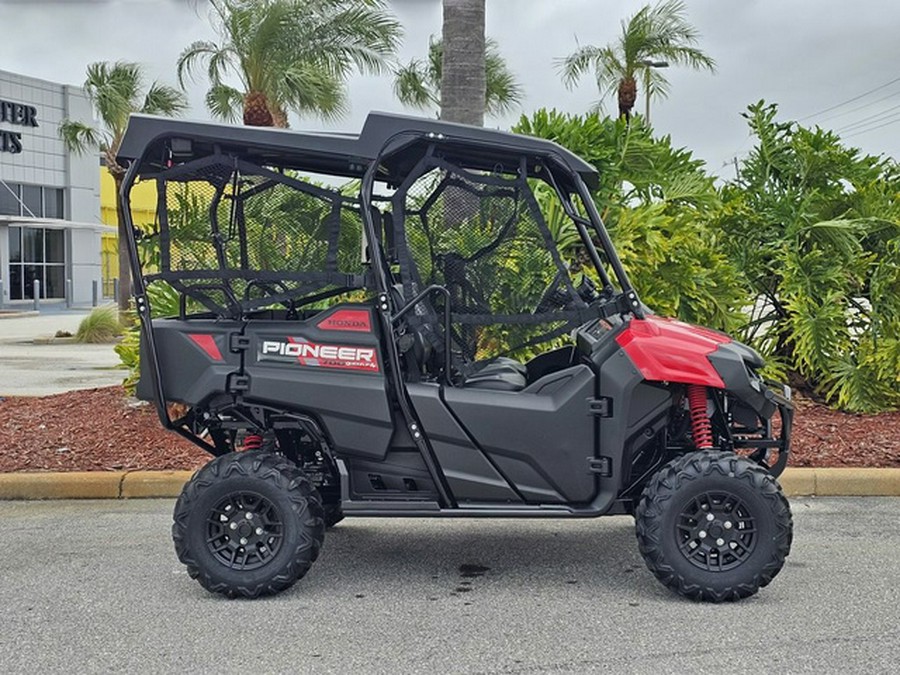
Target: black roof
pixel 148 139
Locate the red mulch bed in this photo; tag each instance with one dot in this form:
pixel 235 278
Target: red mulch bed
pixel 103 430
pixel 89 430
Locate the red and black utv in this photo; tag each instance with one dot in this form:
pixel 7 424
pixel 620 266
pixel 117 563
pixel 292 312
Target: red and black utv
pixel 429 319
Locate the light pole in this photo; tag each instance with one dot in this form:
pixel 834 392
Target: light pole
pixel 648 64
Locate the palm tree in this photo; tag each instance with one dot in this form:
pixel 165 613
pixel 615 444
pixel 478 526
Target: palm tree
pixel 418 84
pixel 658 32
pixel 116 90
pixel 289 55
pixel 463 68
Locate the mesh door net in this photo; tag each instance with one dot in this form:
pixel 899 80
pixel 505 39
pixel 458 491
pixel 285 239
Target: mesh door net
pixel 234 236
pixel 484 239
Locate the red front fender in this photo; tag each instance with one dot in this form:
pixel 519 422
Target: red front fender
pixel 668 350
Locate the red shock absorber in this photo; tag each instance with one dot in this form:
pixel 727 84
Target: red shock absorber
pixel 701 427
pixel 252 442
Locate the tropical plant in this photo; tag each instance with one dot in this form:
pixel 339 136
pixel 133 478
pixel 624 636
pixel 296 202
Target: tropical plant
pixel 657 33
pixel 815 228
pixel 101 325
pixel 418 83
pixel 656 201
pixel 116 90
pixel 164 301
pixel 463 66
pixel 289 55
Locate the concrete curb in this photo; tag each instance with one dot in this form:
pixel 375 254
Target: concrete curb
pixel 93 484
pixel 16 314
pixel 797 482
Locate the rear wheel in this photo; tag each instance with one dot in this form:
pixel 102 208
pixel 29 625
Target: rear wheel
pixel 714 526
pixel 248 524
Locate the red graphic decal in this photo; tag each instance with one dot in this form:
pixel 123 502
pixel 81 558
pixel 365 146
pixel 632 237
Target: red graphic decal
pixel 667 350
pixel 207 343
pixel 306 353
pixel 356 320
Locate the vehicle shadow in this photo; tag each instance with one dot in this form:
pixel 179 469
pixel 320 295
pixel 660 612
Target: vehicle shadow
pixel 454 556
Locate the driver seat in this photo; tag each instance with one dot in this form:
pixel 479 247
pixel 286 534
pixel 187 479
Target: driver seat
pixel 497 374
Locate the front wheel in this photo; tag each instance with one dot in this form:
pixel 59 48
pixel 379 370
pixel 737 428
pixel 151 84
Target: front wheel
pixel 248 524
pixel 714 526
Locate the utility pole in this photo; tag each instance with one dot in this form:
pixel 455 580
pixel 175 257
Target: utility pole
pixel 648 64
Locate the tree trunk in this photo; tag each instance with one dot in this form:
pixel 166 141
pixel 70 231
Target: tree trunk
pixel 463 77
pixel 627 96
pixel 124 299
pixel 256 110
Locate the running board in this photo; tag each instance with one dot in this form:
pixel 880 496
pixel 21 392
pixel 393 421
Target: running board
pixel 419 509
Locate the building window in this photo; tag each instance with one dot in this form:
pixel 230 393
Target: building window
pixel 36 253
pixel 9 199
pixel 31 201
pixel 53 203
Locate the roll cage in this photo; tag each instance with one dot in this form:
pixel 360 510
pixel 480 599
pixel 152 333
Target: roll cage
pixel 244 169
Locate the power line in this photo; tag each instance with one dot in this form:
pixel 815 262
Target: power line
pixel 851 100
pixel 858 108
pixel 865 131
pixel 867 120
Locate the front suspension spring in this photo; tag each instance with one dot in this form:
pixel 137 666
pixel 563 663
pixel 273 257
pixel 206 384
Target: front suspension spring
pixel 701 427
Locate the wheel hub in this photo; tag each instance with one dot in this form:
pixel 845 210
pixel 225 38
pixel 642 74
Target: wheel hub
pixel 244 531
pixel 716 531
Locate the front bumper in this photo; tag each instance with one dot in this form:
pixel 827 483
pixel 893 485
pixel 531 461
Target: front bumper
pixel 782 400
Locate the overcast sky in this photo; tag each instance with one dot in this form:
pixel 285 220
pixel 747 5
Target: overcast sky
pixel 806 55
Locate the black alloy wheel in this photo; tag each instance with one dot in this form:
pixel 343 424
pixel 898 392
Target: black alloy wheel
pixel 244 531
pixel 248 524
pixel 714 526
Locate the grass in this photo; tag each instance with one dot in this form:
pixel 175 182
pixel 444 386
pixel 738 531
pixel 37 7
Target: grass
pixel 101 325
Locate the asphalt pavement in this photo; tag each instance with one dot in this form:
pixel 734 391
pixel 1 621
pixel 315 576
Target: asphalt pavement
pixel 95 587
pixel 32 366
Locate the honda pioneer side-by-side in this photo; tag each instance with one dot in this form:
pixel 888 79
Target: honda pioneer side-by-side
pixel 428 319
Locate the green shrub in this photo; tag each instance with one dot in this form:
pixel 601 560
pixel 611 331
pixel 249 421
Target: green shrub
pixel 657 202
pixel 101 325
pixel 164 301
pixel 814 226
pixel 129 353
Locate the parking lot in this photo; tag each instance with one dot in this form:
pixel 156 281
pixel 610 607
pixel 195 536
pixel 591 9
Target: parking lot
pixel 33 365
pixel 95 587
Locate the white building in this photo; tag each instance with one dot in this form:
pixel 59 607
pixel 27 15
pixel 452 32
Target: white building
pixel 49 198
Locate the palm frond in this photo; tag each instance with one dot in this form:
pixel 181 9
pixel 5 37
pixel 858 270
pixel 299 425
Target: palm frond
pixel 162 99
pixel 195 53
pixel 576 64
pixel 224 102
pixel 79 137
pixel 308 89
pixel 413 88
pixel 435 60
pixel 363 35
pixel 114 89
pixel 502 91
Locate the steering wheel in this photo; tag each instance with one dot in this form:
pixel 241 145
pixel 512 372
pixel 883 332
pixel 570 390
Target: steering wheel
pixel 555 296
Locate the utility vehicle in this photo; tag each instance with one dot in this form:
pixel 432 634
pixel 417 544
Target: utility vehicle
pixel 430 319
